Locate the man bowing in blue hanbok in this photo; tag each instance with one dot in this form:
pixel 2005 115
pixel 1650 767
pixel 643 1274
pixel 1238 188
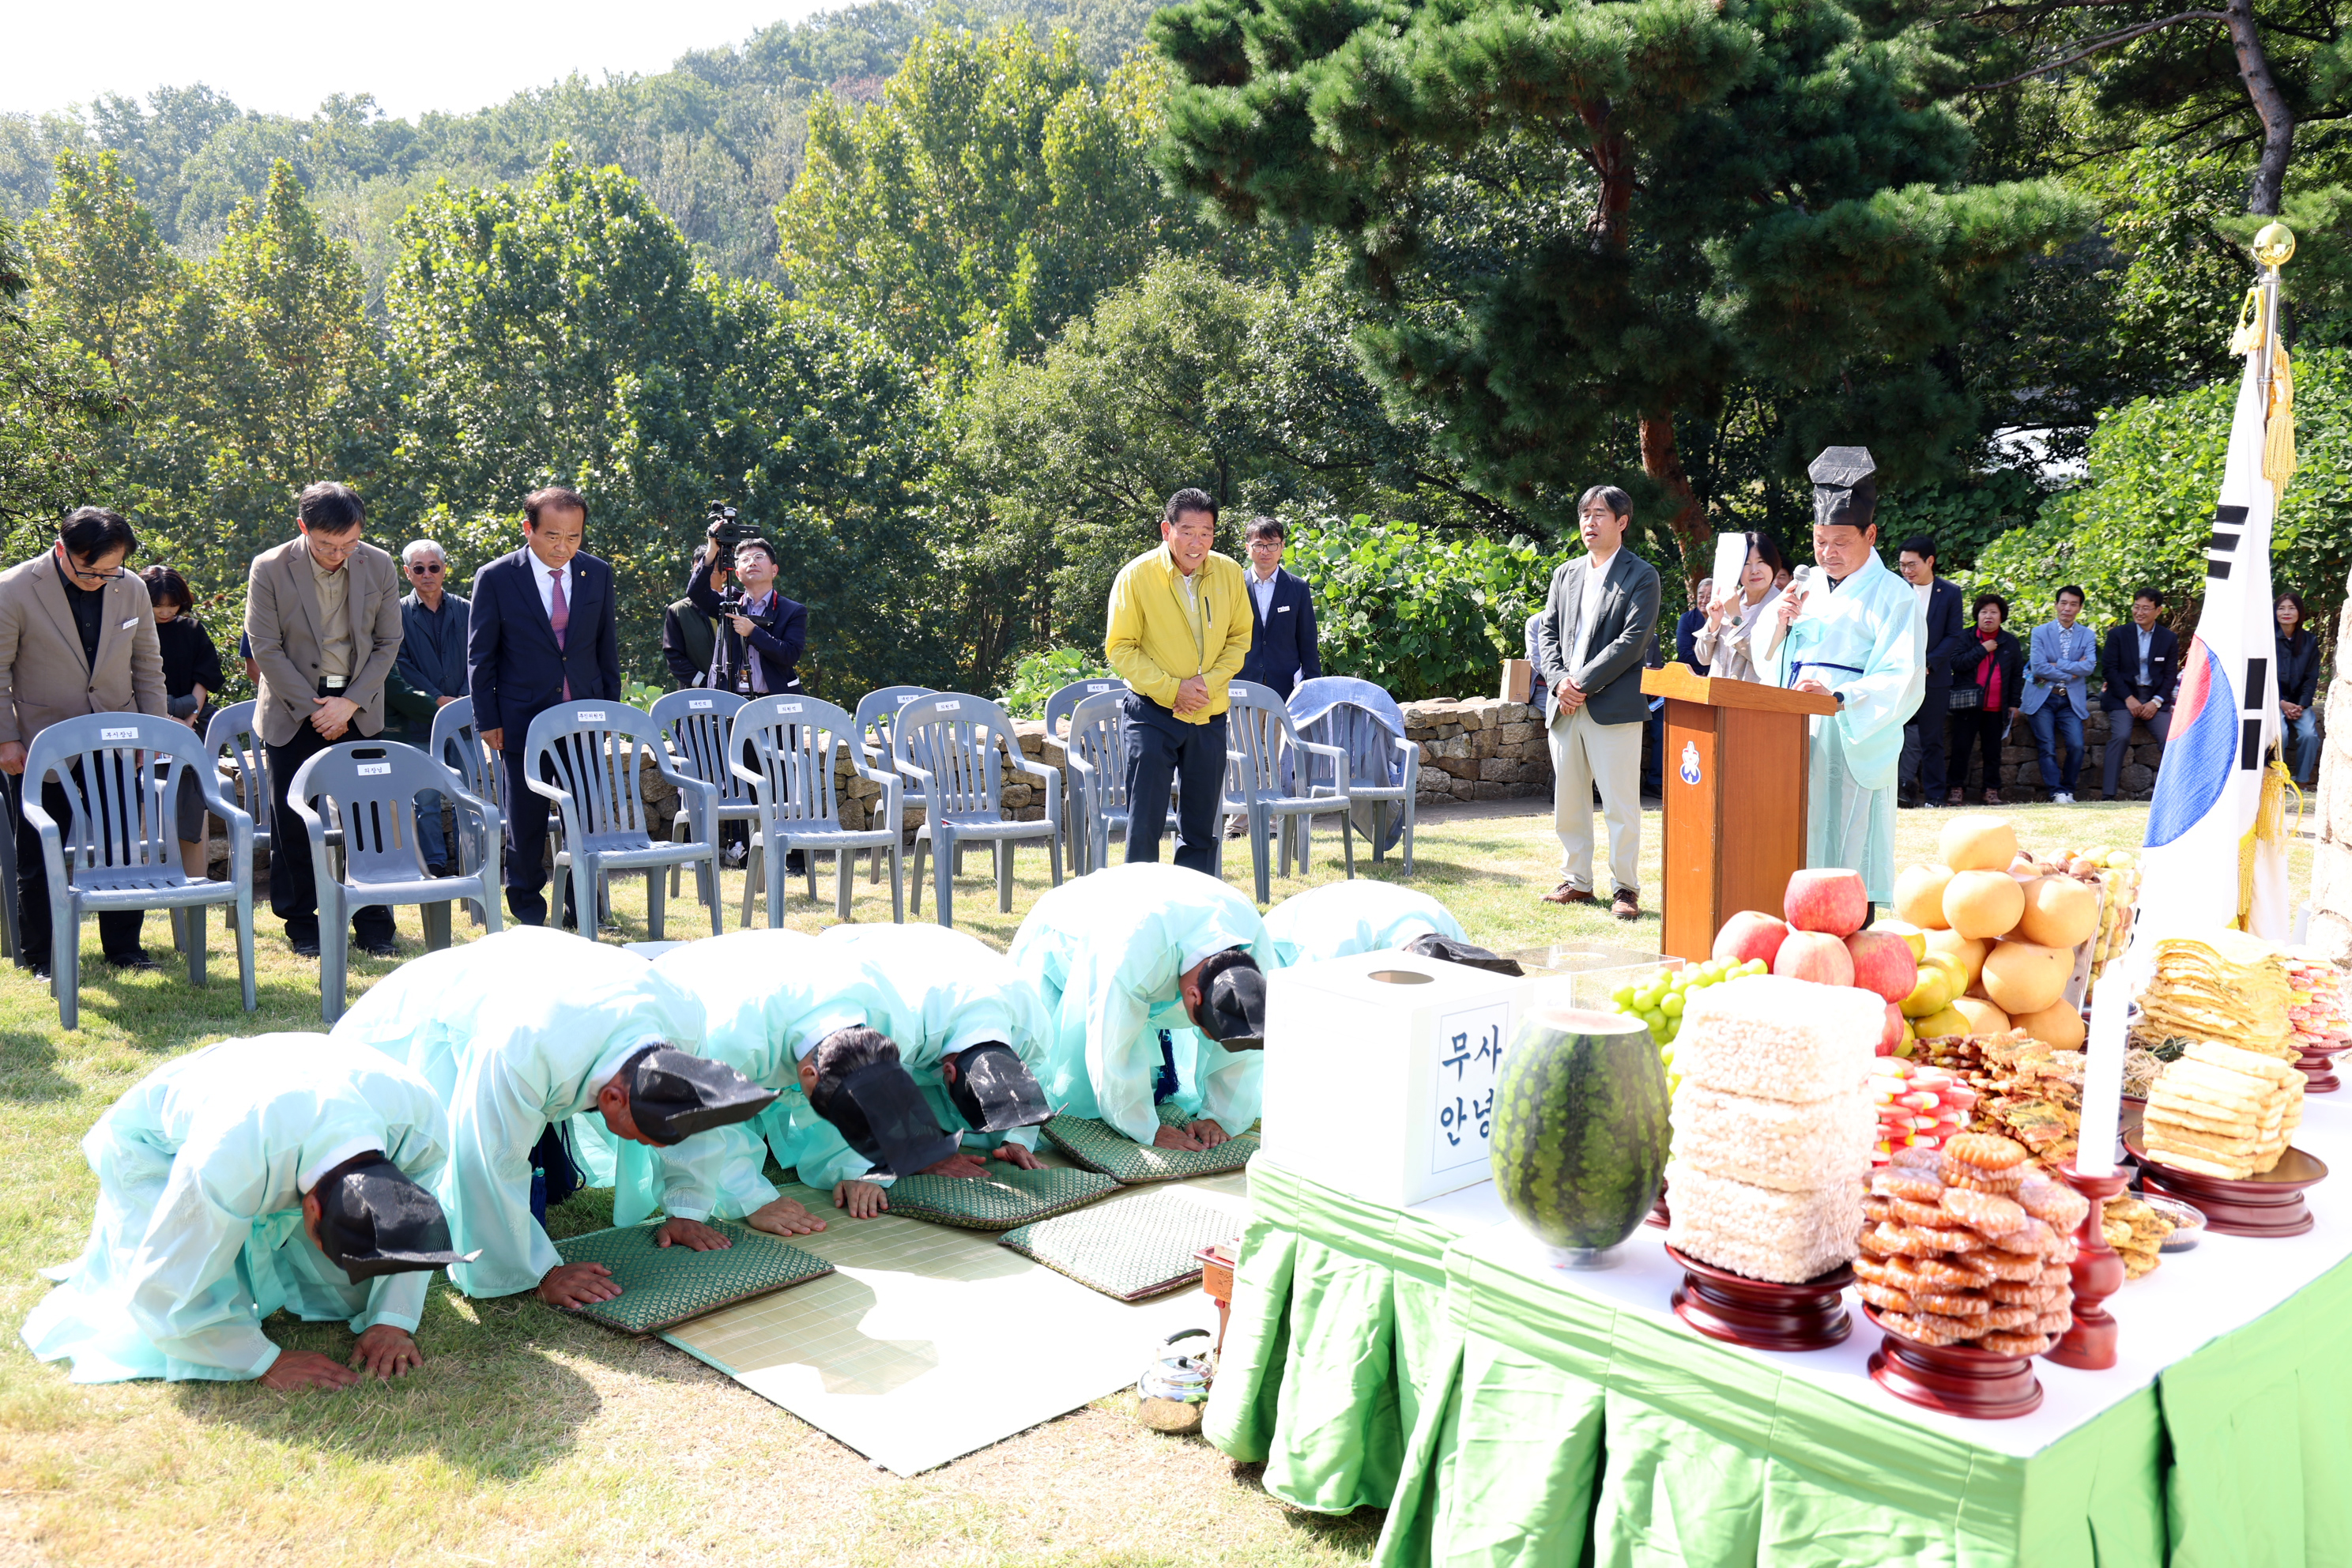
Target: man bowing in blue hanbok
pixel 1858 637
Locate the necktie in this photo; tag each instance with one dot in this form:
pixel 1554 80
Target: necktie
pixel 558 615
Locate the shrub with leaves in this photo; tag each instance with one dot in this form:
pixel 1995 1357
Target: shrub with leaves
pixel 1041 674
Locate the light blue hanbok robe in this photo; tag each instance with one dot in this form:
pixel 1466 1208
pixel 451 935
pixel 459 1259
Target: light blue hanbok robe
pixel 1106 953
pixel 768 996
pixel 198 1236
pixel 1864 640
pixel 518 1032
pixel 1343 919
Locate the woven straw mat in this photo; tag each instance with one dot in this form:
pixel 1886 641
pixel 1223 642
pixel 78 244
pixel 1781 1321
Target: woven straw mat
pixel 1003 1199
pixel 1100 1147
pixel 1141 1247
pixel 662 1286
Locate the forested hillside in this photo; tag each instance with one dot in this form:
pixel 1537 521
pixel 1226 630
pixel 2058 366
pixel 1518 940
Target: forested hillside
pixel 947 298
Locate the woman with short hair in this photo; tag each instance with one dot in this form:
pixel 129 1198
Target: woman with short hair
pixel 2298 682
pixel 1722 643
pixel 1990 664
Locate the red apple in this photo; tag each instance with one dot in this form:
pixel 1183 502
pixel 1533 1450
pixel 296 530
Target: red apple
pixel 1816 956
pixel 1890 1038
pixel 1882 962
pixel 1830 900
pixel 1750 934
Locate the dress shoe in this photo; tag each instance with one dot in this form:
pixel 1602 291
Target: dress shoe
pixel 40 968
pixel 303 946
pixel 135 959
pixel 1565 894
pixel 387 948
pixel 1627 906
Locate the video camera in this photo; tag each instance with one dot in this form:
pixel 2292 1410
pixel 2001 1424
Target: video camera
pixel 725 532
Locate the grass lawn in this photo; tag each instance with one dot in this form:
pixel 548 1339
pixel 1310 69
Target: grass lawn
pixel 530 1437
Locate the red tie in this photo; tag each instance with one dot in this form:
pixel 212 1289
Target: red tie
pixel 558 615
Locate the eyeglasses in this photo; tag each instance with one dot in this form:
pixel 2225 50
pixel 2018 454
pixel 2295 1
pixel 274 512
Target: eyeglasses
pixel 81 575
pixel 432 568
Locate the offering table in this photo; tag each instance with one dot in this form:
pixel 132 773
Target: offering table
pixel 1432 1362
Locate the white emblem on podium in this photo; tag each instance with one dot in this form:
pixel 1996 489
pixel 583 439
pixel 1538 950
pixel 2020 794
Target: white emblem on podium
pixel 1689 769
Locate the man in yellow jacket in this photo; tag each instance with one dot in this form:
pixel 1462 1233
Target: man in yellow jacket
pixel 1180 627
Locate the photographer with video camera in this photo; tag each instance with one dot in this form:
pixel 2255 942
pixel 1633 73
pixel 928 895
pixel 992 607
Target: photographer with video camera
pixel 760 632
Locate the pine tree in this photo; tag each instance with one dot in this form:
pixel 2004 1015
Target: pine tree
pixel 1584 223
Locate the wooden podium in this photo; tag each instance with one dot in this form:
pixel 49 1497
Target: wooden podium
pixel 1733 770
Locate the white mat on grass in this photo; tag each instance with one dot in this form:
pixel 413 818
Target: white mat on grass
pixel 929 1342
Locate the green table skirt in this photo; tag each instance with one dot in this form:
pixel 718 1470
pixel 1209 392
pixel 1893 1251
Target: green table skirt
pixel 1374 1360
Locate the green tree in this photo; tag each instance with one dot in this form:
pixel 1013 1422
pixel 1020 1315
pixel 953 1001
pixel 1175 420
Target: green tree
pixel 2143 516
pixel 988 195
pixel 1588 226
pixel 560 331
pixel 52 418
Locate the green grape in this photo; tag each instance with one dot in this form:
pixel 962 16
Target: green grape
pixel 1623 996
pixel 1673 1007
pixel 1655 1018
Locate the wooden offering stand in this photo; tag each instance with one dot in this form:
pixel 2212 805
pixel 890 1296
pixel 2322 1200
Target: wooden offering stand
pixel 1959 1380
pixel 1759 1314
pixel 2269 1206
pixel 2089 1343
pixel 1734 774
pixel 2319 1070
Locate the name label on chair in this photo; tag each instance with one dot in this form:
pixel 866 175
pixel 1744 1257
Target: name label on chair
pixel 129 735
pixel 1095 687
pixel 698 703
pixel 792 707
pixel 591 716
pixel 369 769
pixel 950 707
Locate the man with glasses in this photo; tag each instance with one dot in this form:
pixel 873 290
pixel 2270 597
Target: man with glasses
pixel 322 612
pixel 429 674
pixel 77 635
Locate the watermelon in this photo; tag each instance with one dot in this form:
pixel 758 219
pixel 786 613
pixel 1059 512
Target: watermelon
pixel 1581 1131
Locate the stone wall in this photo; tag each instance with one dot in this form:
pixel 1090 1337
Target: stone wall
pixel 2020 764
pixel 1478 748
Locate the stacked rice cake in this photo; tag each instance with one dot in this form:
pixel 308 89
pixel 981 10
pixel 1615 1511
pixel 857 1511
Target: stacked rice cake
pixel 2222 1112
pixel 1774 1126
pixel 2224 985
pixel 2317 1013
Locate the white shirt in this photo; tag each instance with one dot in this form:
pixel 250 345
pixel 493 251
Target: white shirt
pixel 2146 633
pixel 1262 590
pixel 1596 579
pixel 546 576
pixel 1924 590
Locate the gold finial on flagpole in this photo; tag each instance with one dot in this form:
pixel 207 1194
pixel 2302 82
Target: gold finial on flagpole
pixel 2274 246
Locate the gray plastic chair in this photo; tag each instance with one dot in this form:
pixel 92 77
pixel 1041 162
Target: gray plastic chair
pixel 1267 778
pixel 1384 766
pixel 232 738
pixel 456 745
pixel 1059 708
pixel 119 847
pixel 1096 749
pixel 877 713
pixel 585 756
pixel 791 741
pixel 956 737
pixel 696 721
pixel 368 790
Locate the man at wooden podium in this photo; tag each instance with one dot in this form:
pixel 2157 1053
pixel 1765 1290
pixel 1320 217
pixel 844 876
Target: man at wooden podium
pixel 1857 634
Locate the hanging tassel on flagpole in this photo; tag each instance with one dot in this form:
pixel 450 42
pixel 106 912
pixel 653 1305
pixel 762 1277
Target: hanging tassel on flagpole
pixel 2278 429
pixel 2269 827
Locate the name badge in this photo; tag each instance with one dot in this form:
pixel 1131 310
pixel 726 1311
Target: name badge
pixel 130 623
pixel 951 707
pixel 698 703
pixel 1282 609
pixel 130 734
pixel 367 770
pixel 590 715
pixel 792 707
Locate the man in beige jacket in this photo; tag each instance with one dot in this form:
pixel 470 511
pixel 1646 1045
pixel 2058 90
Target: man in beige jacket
pixel 322 613
pixel 77 635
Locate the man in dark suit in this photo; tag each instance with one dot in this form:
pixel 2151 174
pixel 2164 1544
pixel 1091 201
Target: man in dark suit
pixel 1919 776
pixel 1597 625
pixel 2140 669
pixel 1282 651
pixel 541 633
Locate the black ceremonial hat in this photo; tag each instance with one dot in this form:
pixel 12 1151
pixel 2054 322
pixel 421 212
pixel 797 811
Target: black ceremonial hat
pixel 374 1220
pixel 1233 1001
pixel 995 1091
pixel 1432 945
pixel 901 1134
pixel 673 1096
pixel 1845 487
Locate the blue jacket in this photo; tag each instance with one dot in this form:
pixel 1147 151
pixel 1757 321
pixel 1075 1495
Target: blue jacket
pixel 2061 658
pixel 514 666
pixel 1950 630
pixel 1282 649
